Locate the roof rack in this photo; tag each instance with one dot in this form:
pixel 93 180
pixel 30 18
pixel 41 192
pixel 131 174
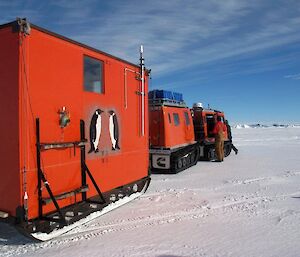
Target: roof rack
pixel 166 102
pixel 164 97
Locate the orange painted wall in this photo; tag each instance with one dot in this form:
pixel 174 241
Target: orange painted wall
pixel 53 69
pixel 166 134
pixel 9 131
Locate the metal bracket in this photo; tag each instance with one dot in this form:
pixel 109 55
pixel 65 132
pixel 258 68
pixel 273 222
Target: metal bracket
pixel 24 26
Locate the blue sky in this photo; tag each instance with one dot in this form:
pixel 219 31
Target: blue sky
pixel 239 56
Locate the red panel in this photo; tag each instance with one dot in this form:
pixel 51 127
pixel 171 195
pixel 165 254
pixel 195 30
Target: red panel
pixel 157 137
pixel 9 125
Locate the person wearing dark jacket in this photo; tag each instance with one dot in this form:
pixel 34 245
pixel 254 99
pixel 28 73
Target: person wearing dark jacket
pixel 230 137
pixel 219 131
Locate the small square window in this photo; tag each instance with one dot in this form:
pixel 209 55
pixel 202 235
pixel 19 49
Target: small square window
pixel 93 75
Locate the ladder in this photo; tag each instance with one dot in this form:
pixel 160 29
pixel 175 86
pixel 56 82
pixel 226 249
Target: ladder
pixel 42 181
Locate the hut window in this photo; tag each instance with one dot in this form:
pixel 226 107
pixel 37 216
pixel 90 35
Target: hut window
pixel 93 75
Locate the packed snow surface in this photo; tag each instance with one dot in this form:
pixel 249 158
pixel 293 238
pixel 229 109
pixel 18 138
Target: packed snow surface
pixel 249 205
pixel 55 233
pixel 259 125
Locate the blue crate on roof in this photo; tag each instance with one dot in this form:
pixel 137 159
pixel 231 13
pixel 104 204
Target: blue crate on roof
pixel 178 96
pixel 165 95
pixel 160 94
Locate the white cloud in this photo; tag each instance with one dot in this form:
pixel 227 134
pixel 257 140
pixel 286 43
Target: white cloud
pixel 177 34
pixel 293 76
pixel 185 34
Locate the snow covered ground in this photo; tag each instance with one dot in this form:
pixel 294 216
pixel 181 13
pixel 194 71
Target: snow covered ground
pixel 248 205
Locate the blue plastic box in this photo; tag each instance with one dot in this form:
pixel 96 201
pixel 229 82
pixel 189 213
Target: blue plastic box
pixel 178 96
pixel 164 94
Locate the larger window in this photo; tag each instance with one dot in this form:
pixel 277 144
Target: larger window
pixel 93 75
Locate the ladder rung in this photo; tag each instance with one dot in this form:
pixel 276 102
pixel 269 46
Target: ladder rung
pixel 66 194
pixel 57 145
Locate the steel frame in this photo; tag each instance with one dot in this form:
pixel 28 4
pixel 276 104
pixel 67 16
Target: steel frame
pixel 42 181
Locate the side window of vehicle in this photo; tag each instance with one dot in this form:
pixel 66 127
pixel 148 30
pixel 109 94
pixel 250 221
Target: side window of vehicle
pixel 176 119
pixel 169 116
pixel 187 118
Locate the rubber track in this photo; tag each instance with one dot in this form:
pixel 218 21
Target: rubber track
pixel 175 156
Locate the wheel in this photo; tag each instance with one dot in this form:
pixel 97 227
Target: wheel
pixel 184 162
pixel 227 150
pixel 192 157
pixel 179 164
pixel 188 159
pixel 211 154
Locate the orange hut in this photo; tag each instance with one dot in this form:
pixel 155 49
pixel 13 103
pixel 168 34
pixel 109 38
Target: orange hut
pixel 74 127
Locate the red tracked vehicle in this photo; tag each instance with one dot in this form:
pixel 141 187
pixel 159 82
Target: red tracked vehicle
pixel 74 130
pixel 204 121
pixel 172 143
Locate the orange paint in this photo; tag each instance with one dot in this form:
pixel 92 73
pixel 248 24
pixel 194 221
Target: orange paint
pixel 165 132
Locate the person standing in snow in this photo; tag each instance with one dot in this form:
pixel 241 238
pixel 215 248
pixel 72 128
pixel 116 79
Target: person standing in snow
pixel 230 137
pixel 219 130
